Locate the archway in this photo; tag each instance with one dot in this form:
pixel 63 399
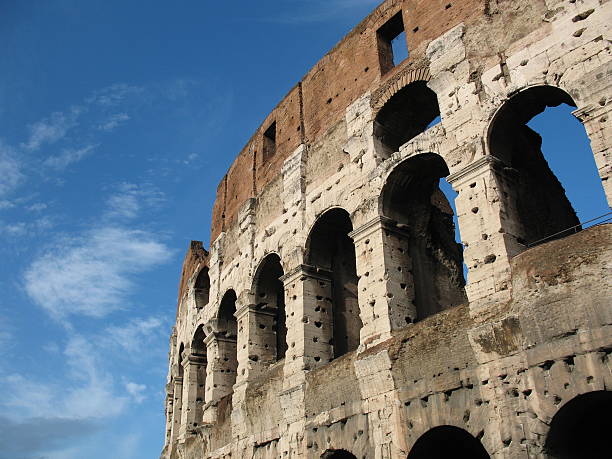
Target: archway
pixel 199 357
pixel 202 288
pixel 338 454
pixel 226 341
pixel 407 114
pixel 581 428
pixel 270 297
pixel 332 252
pixel 447 441
pixel 429 261
pixel 534 199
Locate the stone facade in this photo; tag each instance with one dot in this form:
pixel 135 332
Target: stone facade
pixel 330 316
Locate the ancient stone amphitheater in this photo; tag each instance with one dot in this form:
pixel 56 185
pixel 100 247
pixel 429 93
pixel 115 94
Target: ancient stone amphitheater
pixel 331 318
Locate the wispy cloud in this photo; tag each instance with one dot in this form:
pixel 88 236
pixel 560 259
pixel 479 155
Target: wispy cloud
pixel 137 391
pixel 113 95
pixel 10 172
pixel 134 338
pixel 68 156
pixel 50 130
pixel 113 121
pixel 93 275
pixel 129 199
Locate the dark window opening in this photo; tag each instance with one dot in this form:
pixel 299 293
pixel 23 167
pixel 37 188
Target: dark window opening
pixel 202 288
pixel 228 330
pixel 269 142
pixel 392 47
pixel 581 428
pixel 534 199
pixel 198 352
pixel 180 356
pixel 331 250
pixel 411 111
pixel 447 441
pixel 337 454
pixel 429 258
pixel 270 297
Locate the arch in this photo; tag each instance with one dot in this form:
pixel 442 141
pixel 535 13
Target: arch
pixel 337 454
pixel 227 333
pixel 408 113
pixel 533 197
pixel 447 441
pixel 331 251
pixel 581 427
pixel 429 261
pixel 179 358
pixel 270 299
pixel 202 288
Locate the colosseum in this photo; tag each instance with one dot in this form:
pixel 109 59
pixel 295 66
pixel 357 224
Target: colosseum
pixel 331 317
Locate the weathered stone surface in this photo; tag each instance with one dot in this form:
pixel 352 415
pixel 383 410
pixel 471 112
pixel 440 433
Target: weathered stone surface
pixel 331 313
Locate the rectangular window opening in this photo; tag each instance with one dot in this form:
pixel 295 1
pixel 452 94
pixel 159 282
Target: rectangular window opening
pixel 269 142
pixel 392 47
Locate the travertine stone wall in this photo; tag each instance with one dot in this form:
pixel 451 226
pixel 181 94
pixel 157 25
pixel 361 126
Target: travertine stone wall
pixel 533 331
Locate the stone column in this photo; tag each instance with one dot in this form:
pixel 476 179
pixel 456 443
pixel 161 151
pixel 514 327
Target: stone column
pixel 484 210
pixel 256 339
pixel 194 376
pixel 169 405
pixel 598 124
pixel 177 407
pixel 386 290
pixel 309 322
pixel 221 366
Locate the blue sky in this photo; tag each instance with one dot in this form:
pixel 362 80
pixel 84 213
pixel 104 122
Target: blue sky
pixel 117 121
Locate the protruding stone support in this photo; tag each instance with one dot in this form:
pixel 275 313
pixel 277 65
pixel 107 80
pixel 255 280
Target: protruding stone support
pixel 169 406
pixel 386 290
pixel 177 407
pixel 221 367
pixel 597 122
pixel 487 229
pixel 256 340
pixel 309 317
pixel 193 392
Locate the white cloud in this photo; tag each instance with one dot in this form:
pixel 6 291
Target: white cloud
pixel 129 199
pixel 113 121
pixel 10 172
pixel 93 275
pixel 136 391
pixel 68 156
pixel 50 130
pixel 37 207
pixel 113 95
pixel 135 337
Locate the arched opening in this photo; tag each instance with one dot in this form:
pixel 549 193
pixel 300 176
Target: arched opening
pixel 581 428
pixel 535 201
pixel 228 333
pixel 429 261
pixel 180 356
pixel 332 252
pixel 198 354
pixel 411 111
pixel 202 288
pixel 270 298
pixel 447 441
pixel 338 454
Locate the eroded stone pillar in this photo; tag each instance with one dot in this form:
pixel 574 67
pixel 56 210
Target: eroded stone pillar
pixel 484 210
pixel 386 290
pixel 309 321
pixel 169 406
pixel 222 364
pixel 192 401
pixel 177 404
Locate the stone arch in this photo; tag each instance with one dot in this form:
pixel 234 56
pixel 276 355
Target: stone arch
pixel 179 361
pixel 406 114
pixel 269 294
pixel 202 288
pixel 429 262
pixel 226 340
pixel 581 427
pixel 447 441
pixel 331 252
pixel 533 197
pixel 337 454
